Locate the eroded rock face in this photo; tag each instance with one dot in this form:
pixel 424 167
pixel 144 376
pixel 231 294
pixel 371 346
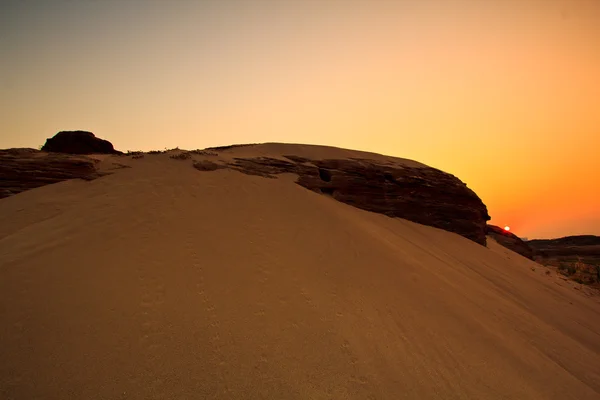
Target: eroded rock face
pixel 424 195
pixel 420 194
pixel 510 241
pixel 78 142
pixel 24 169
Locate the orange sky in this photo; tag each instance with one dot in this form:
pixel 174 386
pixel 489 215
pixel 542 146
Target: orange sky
pixel 503 94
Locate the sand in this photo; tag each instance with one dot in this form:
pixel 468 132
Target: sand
pixel 163 282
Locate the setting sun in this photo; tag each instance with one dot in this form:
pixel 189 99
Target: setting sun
pixel 507 228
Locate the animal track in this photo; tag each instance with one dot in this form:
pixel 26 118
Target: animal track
pixel 359 379
pixel 213 331
pixel 346 350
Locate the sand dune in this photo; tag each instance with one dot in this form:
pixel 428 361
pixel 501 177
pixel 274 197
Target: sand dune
pixel 161 281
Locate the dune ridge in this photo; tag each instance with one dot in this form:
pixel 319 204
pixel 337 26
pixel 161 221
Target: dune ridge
pixel 160 281
pixel 392 186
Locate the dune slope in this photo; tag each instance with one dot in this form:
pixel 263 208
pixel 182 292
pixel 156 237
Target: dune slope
pixel 161 281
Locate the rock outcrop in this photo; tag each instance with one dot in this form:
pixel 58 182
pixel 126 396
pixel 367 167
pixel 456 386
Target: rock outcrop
pixel 510 241
pixel 24 169
pixel 567 246
pixel 387 186
pixel 420 194
pixel 78 142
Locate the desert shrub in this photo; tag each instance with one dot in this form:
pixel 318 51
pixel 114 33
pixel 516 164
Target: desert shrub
pixel 181 156
pixel 567 269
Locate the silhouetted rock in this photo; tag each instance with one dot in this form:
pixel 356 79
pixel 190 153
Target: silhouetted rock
pixel 229 147
pixel 569 245
pixel 420 194
pixel 510 241
pixel 78 142
pixel 24 169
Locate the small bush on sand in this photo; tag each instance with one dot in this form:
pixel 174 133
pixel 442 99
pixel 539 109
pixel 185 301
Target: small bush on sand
pixel 181 156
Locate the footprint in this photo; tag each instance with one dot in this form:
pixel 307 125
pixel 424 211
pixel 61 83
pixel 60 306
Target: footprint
pixel 359 379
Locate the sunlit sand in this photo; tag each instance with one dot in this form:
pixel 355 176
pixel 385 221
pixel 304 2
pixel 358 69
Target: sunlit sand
pixel 162 281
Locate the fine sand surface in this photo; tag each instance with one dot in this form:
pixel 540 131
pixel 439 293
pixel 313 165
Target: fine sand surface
pixel 163 282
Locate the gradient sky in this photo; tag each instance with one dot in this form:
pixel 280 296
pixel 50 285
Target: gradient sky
pixel 503 94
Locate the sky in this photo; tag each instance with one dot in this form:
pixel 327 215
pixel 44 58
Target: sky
pixel 503 94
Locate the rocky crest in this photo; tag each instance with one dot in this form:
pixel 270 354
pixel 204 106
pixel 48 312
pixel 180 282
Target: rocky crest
pixel 424 195
pixel 510 241
pixel 24 169
pixel 417 193
pixel 78 142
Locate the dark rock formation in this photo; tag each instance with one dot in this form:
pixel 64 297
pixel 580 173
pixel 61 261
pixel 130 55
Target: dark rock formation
pixel 570 245
pixel 577 257
pixel 207 165
pixel 424 195
pixel 78 142
pixel 510 241
pixel 24 169
pixel 229 147
pixel 420 194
